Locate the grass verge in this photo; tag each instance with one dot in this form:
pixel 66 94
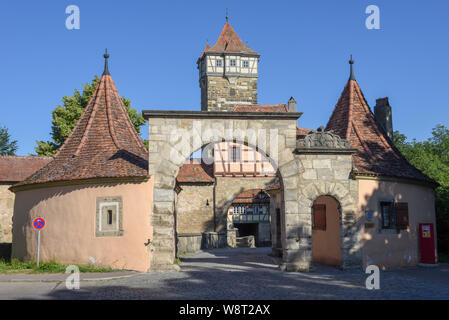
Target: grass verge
pixel 16 266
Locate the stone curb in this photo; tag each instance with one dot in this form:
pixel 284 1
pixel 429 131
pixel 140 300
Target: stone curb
pixel 62 277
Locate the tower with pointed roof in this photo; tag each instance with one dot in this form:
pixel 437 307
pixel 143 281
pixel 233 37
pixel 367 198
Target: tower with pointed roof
pixel 103 144
pixel 228 73
pixel 97 184
pixel 353 120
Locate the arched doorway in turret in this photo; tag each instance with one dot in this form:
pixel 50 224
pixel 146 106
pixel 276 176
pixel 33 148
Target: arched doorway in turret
pixel 326 230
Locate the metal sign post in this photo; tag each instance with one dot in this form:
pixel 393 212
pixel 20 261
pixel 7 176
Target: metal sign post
pixel 38 246
pixel 38 224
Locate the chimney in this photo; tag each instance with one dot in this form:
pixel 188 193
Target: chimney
pixel 291 105
pixel 383 115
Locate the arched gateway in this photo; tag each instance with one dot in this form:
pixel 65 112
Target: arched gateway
pixel 175 135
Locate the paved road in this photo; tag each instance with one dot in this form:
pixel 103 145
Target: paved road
pixel 244 273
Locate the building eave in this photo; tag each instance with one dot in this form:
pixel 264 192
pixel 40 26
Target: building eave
pixel 89 181
pixel 174 114
pixel 366 176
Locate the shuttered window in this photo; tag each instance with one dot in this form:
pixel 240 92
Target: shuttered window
pixel 401 209
pixel 319 217
pixel 394 215
pixel 387 215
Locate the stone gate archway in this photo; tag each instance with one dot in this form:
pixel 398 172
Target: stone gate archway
pixel 175 135
pixel 325 169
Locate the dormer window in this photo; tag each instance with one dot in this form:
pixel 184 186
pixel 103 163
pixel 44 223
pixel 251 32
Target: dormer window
pixel 245 64
pixel 218 63
pixel 232 63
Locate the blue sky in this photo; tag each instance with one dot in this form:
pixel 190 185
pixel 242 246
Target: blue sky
pixel 154 45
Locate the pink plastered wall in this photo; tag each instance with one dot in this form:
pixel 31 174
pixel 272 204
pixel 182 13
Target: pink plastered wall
pixel 252 162
pixel 390 248
pixel 70 214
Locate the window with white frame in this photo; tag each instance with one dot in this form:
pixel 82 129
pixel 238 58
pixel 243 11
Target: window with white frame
pixel 245 64
pixel 218 63
pixel 109 217
pixel 232 63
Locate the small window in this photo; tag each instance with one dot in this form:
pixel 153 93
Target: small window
pixel 245 64
pixel 387 215
pixel 232 63
pixel 319 217
pixel 394 215
pixel 218 63
pixel 235 154
pixel 109 217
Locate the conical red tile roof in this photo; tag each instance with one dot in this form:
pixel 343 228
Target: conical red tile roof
pixel 229 42
pixel 103 144
pixel 353 120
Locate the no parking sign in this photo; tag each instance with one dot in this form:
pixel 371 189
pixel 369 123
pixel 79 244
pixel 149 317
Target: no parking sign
pixel 38 224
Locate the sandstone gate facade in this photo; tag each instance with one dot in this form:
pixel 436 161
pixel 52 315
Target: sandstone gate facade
pixel 175 135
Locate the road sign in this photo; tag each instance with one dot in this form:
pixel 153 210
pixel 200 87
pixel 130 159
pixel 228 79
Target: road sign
pixel 38 223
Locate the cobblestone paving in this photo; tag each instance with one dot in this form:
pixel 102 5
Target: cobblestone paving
pixel 246 274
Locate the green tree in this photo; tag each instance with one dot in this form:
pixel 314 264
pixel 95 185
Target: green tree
pixel 432 157
pixel 66 116
pixel 7 147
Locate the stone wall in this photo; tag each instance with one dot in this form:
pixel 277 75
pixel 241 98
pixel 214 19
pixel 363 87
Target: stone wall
pixel 175 135
pixel 322 174
pixel 193 215
pixel 275 205
pixel 223 94
pixel 193 242
pixel 188 242
pixel 6 212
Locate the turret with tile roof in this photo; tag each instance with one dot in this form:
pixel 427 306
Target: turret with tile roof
pixel 228 73
pixel 103 143
pixel 353 120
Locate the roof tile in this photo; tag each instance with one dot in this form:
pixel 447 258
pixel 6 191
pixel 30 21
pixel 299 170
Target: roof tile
pixel 103 144
pixel 353 120
pixel 251 196
pixel 229 42
pixel 195 172
pixel 17 168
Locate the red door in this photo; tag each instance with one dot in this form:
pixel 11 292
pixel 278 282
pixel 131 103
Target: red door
pixel 427 243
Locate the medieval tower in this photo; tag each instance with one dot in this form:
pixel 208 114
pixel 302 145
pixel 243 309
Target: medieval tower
pixel 228 73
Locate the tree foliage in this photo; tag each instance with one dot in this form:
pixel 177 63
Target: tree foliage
pixel 7 147
pixel 66 116
pixel 432 157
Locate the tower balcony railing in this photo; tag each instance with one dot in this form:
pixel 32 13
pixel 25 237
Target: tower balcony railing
pixel 250 218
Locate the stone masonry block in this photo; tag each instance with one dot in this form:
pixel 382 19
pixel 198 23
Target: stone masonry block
pixel 321 163
pixel 163 195
pixel 325 174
